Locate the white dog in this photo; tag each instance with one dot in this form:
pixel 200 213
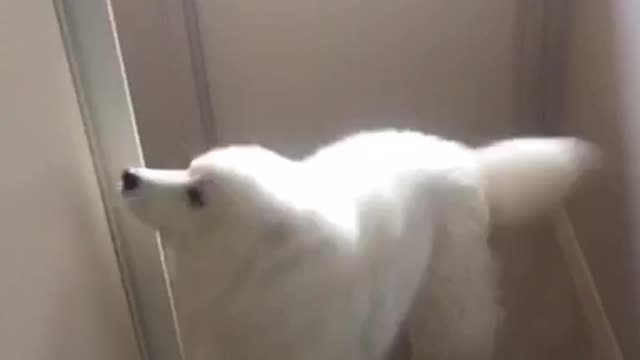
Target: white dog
pixel 325 258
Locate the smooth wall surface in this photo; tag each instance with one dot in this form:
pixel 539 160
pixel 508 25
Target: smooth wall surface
pixel 601 102
pixel 61 294
pixel 295 74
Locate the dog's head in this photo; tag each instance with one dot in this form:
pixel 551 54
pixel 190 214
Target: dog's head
pixel 228 190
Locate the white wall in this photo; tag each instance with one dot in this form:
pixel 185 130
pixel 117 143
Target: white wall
pixel 60 290
pixel 601 102
pixel 292 73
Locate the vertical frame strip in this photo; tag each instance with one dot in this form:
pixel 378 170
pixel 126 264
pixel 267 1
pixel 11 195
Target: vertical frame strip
pixel 99 77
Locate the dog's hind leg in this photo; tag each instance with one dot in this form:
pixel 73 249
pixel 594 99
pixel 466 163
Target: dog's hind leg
pixel 456 311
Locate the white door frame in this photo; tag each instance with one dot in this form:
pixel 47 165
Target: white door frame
pixel 122 118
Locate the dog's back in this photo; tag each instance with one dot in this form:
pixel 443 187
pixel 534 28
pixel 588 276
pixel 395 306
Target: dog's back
pixel 445 199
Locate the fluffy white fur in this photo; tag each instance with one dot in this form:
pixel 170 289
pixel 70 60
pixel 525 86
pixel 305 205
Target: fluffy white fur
pixel 327 257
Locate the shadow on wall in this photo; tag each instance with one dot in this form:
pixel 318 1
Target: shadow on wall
pixel 595 86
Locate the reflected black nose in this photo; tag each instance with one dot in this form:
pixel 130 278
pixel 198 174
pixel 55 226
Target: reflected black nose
pixel 130 181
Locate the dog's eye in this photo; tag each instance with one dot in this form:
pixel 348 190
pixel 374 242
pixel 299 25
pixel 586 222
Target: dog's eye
pixel 194 195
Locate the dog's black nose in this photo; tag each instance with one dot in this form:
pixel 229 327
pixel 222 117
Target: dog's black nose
pixel 130 181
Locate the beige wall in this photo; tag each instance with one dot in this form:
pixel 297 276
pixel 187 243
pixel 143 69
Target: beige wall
pixel 293 74
pixel 61 295
pixel 602 102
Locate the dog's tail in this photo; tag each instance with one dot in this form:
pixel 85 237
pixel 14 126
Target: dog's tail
pixel 525 177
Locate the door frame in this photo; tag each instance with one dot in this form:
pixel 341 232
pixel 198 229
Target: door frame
pixel 117 138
